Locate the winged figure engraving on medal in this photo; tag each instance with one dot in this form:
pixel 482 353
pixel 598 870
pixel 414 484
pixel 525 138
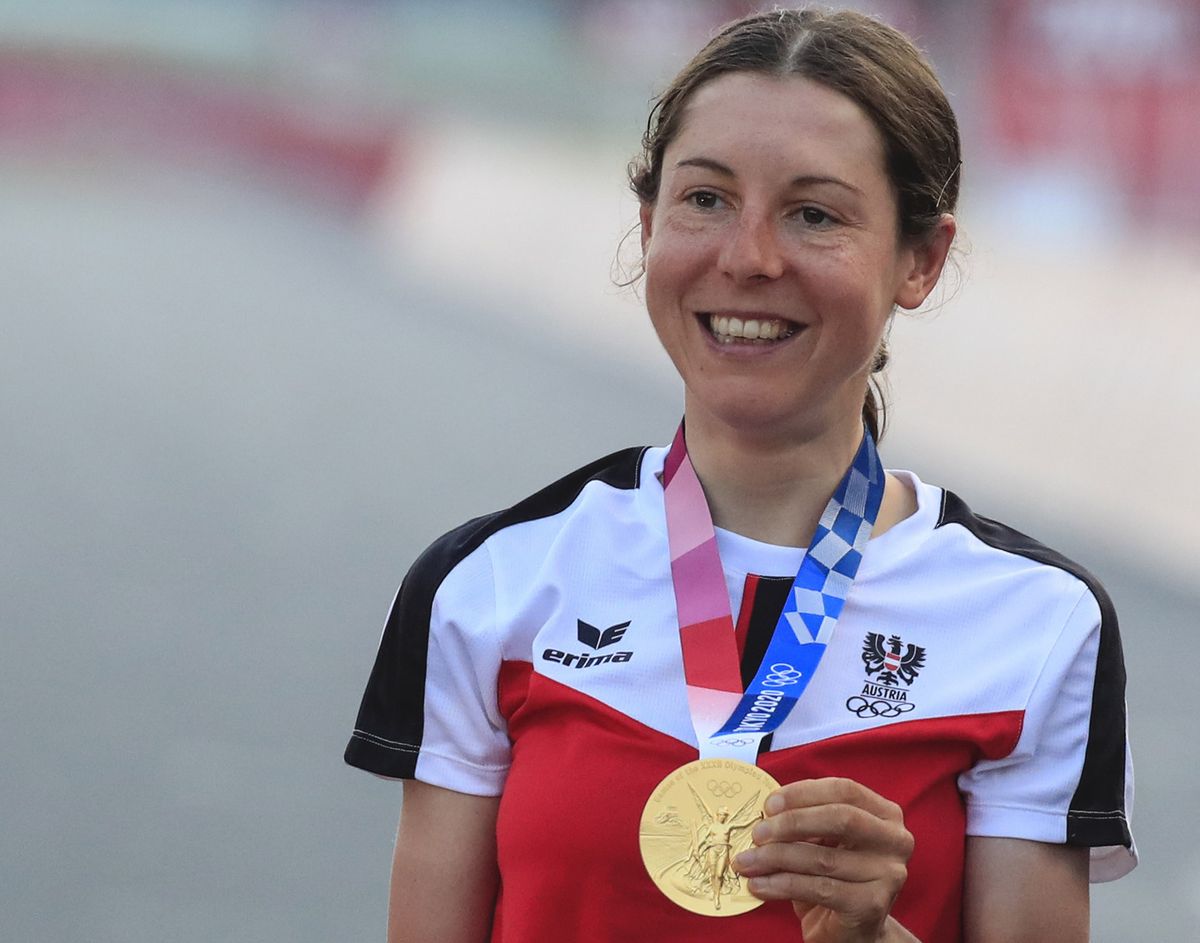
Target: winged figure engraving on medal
pixel 709 840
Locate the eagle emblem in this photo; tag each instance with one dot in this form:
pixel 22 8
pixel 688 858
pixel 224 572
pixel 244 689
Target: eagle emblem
pixel 882 656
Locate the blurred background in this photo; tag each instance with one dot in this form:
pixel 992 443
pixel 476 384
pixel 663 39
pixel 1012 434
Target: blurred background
pixel 290 288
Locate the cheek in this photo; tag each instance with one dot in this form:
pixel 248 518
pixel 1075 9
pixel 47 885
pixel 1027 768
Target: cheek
pixel 658 298
pixel 673 286
pixel 680 245
pixel 670 271
pixel 856 285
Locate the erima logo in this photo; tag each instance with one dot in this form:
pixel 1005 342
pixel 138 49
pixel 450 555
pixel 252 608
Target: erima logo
pixel 594 639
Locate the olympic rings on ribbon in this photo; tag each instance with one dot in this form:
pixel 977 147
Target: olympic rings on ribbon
pixel 862 707
pixel 782 674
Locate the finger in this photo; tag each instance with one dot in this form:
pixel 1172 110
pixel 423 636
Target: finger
pixel 856 904
pixel 842 825
pixel 821 861
pixel 832 790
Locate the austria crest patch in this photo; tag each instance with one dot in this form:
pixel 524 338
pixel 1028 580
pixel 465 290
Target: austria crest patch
pixel 891 667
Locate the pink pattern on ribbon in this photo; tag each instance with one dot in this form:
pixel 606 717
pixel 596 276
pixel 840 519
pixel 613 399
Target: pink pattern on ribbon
pixel 710 709
pixel 706 635
pixel 675 457
pixel 701 593
pixel 686 530
pixel 710 655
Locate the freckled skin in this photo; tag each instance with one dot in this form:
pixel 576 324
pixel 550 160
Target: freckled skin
pixel 733 230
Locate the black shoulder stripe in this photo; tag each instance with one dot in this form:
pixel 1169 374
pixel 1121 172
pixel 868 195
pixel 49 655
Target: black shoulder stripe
pixel 391 718
pixel 1097 814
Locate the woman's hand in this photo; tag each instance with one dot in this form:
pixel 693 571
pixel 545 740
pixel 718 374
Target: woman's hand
pixel 838 852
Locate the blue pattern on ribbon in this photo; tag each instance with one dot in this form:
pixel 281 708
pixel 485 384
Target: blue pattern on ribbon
pixel 818 595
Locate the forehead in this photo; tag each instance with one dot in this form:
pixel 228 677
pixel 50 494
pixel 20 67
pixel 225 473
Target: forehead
pixel 789 120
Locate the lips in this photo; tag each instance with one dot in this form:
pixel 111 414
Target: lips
pixel 748 328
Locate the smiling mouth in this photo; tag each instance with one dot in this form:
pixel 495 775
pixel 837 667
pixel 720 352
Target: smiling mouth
pixel 730 329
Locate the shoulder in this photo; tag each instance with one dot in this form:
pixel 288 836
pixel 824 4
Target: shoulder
pixel 619 471
pixel 1021 553
pixel 1069 777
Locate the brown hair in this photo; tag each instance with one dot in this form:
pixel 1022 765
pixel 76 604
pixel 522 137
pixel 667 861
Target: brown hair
pixel 867 61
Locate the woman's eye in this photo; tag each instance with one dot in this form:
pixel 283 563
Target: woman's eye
pixel 814 216
pixel 704 199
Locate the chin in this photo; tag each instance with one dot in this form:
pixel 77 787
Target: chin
pixel 758 413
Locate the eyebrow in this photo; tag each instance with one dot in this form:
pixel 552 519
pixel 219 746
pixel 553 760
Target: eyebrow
pixel 707 163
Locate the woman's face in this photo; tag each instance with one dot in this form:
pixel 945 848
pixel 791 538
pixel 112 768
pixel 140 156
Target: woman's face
pixel 772 254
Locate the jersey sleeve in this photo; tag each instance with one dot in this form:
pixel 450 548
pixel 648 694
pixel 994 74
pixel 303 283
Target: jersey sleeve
pixel 430 710
pixel 1069 779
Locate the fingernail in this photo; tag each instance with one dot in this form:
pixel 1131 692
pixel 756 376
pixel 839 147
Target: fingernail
pixel 760 832
pixel 773 804
pixel 746 859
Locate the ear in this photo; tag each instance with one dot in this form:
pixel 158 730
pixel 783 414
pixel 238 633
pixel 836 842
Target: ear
pixel 645 212
pixel 922 264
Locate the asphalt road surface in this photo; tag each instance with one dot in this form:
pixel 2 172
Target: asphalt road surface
pixel 229 428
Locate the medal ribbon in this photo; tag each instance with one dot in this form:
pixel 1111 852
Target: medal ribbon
pixel 730 722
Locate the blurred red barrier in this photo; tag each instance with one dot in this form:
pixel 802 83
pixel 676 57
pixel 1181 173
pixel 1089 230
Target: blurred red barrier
pixel 1112 87
pixel 86 106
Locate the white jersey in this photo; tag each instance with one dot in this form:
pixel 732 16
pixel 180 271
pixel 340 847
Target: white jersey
pixel 975 678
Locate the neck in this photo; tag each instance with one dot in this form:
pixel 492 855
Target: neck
pixel 767 487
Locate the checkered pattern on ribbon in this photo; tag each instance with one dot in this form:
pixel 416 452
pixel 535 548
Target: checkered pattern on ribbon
pixel 819 592
pixel 718 705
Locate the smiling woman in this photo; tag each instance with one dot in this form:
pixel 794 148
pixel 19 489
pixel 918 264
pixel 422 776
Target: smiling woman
pixel 775 210
pixel 944 773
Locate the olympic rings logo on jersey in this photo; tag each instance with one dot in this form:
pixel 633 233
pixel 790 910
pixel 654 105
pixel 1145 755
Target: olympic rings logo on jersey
pixel 862 707
pixel 782 674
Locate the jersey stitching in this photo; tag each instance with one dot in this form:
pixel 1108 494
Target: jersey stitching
pixel 1056 814
pixel 385 742
pixel 637 467
pixel 1115 814
pixel 459 761
pixel 499 646
pixel 1083 594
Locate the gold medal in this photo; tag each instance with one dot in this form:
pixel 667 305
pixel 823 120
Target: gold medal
pixel 695 822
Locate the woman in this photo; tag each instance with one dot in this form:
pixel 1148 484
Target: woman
pixel 560 683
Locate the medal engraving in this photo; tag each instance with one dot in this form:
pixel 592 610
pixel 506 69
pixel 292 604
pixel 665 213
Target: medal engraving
pixel 694 824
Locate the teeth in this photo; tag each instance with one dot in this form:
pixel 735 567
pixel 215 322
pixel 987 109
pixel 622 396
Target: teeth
pixel 726 329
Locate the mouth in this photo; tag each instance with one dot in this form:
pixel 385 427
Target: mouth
pixel 748 329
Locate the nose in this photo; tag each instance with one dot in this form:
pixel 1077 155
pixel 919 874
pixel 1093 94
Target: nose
pixel 751 250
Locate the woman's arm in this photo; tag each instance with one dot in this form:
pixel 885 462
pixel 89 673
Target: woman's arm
pixel 1018 891
pixel 444 874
